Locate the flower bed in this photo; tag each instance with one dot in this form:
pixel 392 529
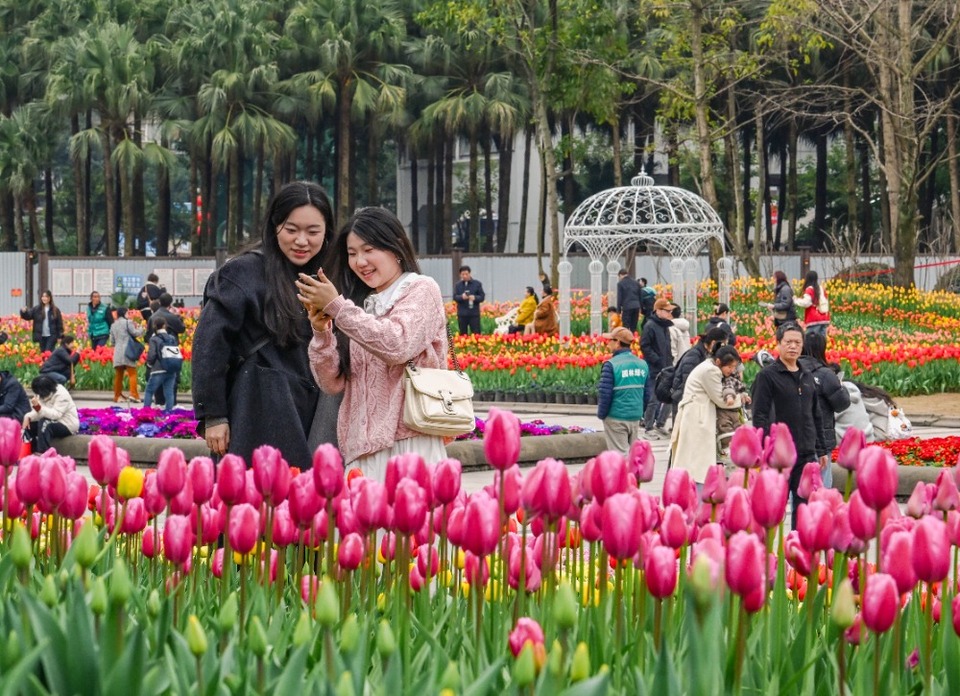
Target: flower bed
pixel 932 451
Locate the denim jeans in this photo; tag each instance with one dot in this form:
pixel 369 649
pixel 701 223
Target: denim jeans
pixel 165 382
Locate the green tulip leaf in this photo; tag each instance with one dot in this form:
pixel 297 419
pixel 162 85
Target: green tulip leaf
pixel 118 681
pixel 14 680
pixel 294 669
pixel 483 684
pixel 594 686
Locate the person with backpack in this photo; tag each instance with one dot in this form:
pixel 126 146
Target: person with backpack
pixel 620 391
pixel 648 297
pixel 655 344
pixel 99 319
pixel 164 361
pixel 150 291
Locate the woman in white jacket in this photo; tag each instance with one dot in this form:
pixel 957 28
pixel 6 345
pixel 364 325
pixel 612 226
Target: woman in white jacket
pixel 53 414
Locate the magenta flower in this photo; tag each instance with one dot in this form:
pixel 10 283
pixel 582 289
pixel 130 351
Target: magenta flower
pixel 848 453
pixel 897 548
pixel 877 477
pixel 815 525
pixel 177 539
pixel 74 503
pixel 501 439
pixel 171 472
pixel 546 491
pixel 271 474
pixel 768 498
pixel 302 499
pixel 481 525
pixel 53 483
pixel 327 471
pixel 921 500
pixel 284 528
pixel 679 488
pixel 779 451
pixel 674 531
pixel 947 497
pixel 200 474
pixel 231 479
pixel 447 475
pixel 797 555
pixel 608 475
pixel 737 514
pixel 526 631
pixel 9 441
pixel 746 446
pixel 622 525
pixel 370 505
pixel 243 528
pixel 660 569
pixel 880 600
pixel 28 485
pixel 350 552
pixel 409 507
pixel 931 549
pixel 714 485
pixel 745 564
pixel 811 480
pixel 640 461
pixel 102 459
pixel 135 520
pixel 151 495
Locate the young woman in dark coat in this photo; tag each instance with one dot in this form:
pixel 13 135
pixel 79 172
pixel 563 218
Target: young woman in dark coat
pixel 251 378
pixel 47 322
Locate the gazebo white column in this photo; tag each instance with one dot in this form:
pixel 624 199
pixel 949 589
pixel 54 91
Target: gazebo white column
pixel 596 289
pixel 691 278
pixel 565 268
pixel 613 267
pixel 724 279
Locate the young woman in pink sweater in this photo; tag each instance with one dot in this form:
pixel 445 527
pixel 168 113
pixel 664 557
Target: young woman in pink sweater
pixel 384 315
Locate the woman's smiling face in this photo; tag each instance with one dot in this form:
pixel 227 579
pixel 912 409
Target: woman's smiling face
pixel 301 235
pixel 377 268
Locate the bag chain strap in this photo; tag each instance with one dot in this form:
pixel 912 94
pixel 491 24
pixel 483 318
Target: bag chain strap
pixel 450 350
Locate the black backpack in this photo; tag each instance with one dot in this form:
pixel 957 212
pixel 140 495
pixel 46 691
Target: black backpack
pixel 663 387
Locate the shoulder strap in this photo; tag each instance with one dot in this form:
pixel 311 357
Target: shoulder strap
pixel 450 349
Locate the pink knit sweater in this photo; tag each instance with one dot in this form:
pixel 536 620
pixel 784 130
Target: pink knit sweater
pixel 371 415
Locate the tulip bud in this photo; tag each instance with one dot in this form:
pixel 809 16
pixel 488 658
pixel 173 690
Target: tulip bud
pixel 227 618
pixel 345 685
pixel 98 598
pixel 702 583
pixel 120 588
pixel 302 632
pixel 844 609
pixel 20 550
pixel 196 636
pixel 350 634
pixel 13 650
pixel 451 677
pixel 565 607
pixel 153 604
pixel 48 593
pixel 580 665
pixel 525 669
pixel 554 659
pixel 386 641
pixel 328 606
pixel 86 546
pixel 257 637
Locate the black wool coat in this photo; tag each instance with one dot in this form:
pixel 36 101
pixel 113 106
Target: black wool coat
pixel 35 314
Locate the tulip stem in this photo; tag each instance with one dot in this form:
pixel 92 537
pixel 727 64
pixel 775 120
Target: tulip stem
pixel 876 666
pixel 928 635
pixel 331 518
pixel 741 646
pixel 200 688
pixel 841 666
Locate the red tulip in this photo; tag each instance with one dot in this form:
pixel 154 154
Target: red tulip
pixel 271 474
pixel 797 555
pixel 947 497
pixel 714 485
pixel 148 543
pixel 921 500
pixel 171 472
pixel 815 524
pixel 745 564
pixel 481 525
pixel 53 483
pixel 737 515
pixel 177 539
pixel 679 489
pixel 526 631
pixel 877 477
pixel 28 485
pixel 501 439
pixel 746 446
pixel 880 600
pixel 409 507
pixel 660 568
pixel 201 478
pixel 74 502
pixel 102 459
pixel 848 453
pixel 863 519
pixel 608 475
pixel 243 528
pixel 446 480
pixel 135 519
pixel 779 450
pixel 546 491
pixel 328 471
pixel 895 551
pixel 811 480
pixel 9 441
pixel 768 498
pixel 350 552
pixel 302 499
pixel 370 505
pixel 640 460
pixel 673 528
pixel 621 525
pixel 284 528
pixel 931 550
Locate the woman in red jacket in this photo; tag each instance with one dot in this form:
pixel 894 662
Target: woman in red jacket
pixel 816 307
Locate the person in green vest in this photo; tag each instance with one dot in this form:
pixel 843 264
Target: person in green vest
pixel 620 397
pixel 99 319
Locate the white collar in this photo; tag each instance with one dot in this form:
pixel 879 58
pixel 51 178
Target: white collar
pixel 379 303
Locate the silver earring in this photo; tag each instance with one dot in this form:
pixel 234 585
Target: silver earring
pixel 399 262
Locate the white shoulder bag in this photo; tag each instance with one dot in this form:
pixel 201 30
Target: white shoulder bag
pixel 438 402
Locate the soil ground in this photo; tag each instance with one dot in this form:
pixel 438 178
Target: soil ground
pixel 931 404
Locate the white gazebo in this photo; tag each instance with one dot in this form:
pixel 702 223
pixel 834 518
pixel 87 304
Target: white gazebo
pixel 608 223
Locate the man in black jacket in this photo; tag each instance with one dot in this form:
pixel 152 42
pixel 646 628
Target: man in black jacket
pixel 172 319
pixel 701 350
pixel 628 301
pixel 59 366
pixel 13 397
pixel 792 388
pixel 468 294
pixel 655 344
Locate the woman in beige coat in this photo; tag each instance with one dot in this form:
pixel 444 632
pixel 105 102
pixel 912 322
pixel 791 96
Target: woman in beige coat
pixel 695 424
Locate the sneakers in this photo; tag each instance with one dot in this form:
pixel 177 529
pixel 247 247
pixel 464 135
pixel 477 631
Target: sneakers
pixel 662 431
pixel 652 434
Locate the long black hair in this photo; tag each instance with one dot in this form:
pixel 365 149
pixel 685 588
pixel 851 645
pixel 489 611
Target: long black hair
pixel 727 355
pixel 815 346
pixel 282 311
pixel 381 229
pixel 811 281
pixel 533 294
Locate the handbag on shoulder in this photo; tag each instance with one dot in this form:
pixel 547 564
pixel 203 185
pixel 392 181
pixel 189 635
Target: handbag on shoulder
pixel 438 402
pixel 134 348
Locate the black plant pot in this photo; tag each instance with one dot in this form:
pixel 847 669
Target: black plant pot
pixel 521 397
pixel 498 395
pixel 581 398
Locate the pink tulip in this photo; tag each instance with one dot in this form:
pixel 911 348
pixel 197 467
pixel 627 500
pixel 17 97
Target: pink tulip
pixel 53 483
pixel 880 600
pixel 346 519
pixel 947 497
pixel 532 576
pixel 428 560
pixel 350 552
pixel 9 441
pixel 842 538
pixel 621 525
pixel 271 474
pixel 955 613
pixel 679 489
pixel 512 488
pixel 546 490
pixel 316 533
pixel 921 500
pixel 327 471
pixel 815 523
pixel 370 505
pixel 660 568
pixel 151 495
pixel 797 555
pixel 148 543
pixel 273 565
pixel 745 564
pixel 481 524
pixel 779 450
pixel 135 520
pixel 640 460
pixel 931 550
pixel 455 531
pixel 848 453
pixel 895 551
pixel 768 498
pixel 877 477
pixel 746 446
pixel 171 472
pixel 608 475
pixel 28 486
pixel 74 503
pixel 211 523
pixel 309 589
pixel 409 507
pixel 476 569
pixel 811 480
pixel 284 528
pixel 243 528
pixel 201 478
pixel 231 479
pixel 177 539
pixel 102 459
pixel 251 494
pixel 714 485
pixel 736 515
pixel 673 528
pixel 591 521
pixel 182 503
pixel 446 480
pixel 409 466
pixel 302 499
pixel 526 631
pixel 501 439
pixel 863 519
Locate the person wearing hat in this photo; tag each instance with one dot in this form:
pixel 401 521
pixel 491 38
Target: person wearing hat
pixel 655 344
pixel 623 379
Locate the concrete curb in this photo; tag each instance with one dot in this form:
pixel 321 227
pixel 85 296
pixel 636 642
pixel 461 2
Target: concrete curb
pixel 907 478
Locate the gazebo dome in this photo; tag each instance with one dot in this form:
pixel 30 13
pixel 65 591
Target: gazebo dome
pixel 608 223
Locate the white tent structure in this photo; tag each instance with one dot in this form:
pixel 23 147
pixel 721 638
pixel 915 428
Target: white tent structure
pixel 608 223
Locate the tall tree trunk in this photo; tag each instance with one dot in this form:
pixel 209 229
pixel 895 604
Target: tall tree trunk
pixel 126 203
pixel 447 222
pixel 490 242
pixel 793 200
pixel 473 191
pixel 866 194
pixel 196 222
pixel 23 240
pixel 746 179
pixel 820 193
pixel 137 193
pixel 504 168
pixel 163 207
pixel 88 189
pixel 673 152
pixel 783 204
pixel 48 209
pixel 569 183
pixel 850 180
pixel 258 191
pixel 414 201
pixel 437 232
pixel 373 154
pixel 233 232
pixel 928 190
pixel 6 221
pixel 954 168
pixel 617 151
pixel 761 218
pixel 547 155
pixel 30 204
pixel 525 191
pixel 109 189
pixel 431 197
pixel 344 173
pixel 79 190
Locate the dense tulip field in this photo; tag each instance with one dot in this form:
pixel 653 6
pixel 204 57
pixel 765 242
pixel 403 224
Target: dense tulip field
pixel 901 340
pixel 192 578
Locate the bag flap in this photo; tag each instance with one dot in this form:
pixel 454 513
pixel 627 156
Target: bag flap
pixel 431 381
